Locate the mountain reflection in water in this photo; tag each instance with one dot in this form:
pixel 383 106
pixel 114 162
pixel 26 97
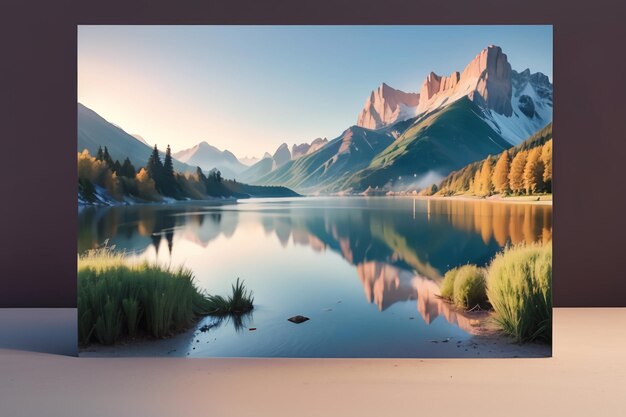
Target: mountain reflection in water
pixel 399 248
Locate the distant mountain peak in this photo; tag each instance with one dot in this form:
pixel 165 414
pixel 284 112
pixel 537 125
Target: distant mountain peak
pixel 282 155
pixel 385 106
pixel 208 157
pixel 303 149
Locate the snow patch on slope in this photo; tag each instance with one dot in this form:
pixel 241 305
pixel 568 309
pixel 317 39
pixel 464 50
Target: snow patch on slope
pixel 516 128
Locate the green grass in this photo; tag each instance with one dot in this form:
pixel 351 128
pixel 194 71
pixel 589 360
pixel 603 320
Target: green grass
pixel 470 287
pixel 239 302
pixel 447 285
pixel 118 298
pixel 465 286
pixel 519 287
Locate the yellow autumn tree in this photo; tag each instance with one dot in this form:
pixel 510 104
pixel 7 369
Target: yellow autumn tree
pixel 516 173
pixel 533 172
pixel 97 173
pixel 546 158
pixel 146 186
pixel 476 187
pixel 500 176
pixel 486 186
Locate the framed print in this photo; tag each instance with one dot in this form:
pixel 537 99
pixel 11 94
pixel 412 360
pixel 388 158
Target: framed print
pixel 315 191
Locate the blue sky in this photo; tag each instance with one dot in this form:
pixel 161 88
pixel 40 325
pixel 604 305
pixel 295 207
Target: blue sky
pixel 250 88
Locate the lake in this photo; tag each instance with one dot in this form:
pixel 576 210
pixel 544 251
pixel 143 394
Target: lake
pixel 366 271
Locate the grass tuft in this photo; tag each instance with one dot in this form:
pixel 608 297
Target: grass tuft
pixel 118 298
pixel 447 286
pixel 465 286
pixel 239 302
pixel 469 287
pixel 519 287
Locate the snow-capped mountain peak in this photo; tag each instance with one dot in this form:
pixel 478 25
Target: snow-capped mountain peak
pixel 531 106
pixel 514 104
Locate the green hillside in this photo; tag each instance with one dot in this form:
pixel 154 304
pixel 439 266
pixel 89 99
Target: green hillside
pixel 439 142
pixel 258 170
pixel 333 163
pixel 95 132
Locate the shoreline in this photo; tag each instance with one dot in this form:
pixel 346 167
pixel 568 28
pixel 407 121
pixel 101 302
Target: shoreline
pixel 213 202
pixel 543 199
pixel 486 342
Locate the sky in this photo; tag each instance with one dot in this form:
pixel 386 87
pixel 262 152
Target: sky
pixel 250 88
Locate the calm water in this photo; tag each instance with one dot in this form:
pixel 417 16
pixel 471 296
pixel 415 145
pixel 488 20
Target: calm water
pixel 365 270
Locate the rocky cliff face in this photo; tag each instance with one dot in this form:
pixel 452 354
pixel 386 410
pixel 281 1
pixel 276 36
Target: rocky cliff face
pixel 486 80
pixel 494 79
pixel 387 105
pixel 299 150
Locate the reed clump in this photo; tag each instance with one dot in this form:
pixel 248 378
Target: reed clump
pixel 465 286
pixel 519 287
pixel 118 298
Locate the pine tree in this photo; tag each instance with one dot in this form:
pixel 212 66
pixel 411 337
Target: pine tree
pixel 533 172
pixel 107 158
pixel 516 174
pixel 200 175
pixel 170 186
pixel 128 169
pixel 99 154
pixel 117 167
pixel 168 165
pixel 546 158
pixel 500 176
pixel 154 168
pixel 486 186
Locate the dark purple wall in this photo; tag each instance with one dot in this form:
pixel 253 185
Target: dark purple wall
pixel 38 123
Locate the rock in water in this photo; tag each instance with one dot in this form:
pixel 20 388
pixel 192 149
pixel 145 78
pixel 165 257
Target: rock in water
pixel 298 319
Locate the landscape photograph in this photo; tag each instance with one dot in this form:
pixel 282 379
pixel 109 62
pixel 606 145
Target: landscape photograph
pixel 314 191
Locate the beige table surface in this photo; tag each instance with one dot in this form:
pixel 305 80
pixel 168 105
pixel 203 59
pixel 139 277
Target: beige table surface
pixel 586 377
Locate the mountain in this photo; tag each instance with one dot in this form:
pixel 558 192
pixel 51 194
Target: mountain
pixel 402 140
pixel 258 170
pixel 281 156
pixel 437 143
pixel 302 149
pixel 514 104
pixel 209 157
pixel 249 160
pixel 94 131
pixel 464 117
pixel 350 152
pixel 386 106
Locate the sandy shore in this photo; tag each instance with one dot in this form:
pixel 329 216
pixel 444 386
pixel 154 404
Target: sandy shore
pixel 544 200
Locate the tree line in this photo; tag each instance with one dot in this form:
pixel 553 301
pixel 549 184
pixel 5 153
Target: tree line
pixel 157 179
pixel 522 170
